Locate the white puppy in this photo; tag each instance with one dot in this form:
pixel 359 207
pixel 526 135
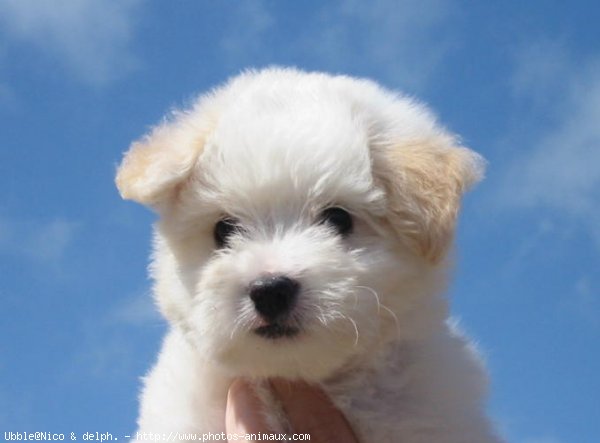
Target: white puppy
pixel 305 224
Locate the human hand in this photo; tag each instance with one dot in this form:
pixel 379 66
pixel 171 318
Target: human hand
pixel 308 410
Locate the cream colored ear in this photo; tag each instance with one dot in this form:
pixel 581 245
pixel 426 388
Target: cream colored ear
pixel 425 181
pixel 155 165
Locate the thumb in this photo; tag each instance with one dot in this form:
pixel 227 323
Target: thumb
pixel 310 411
pixel 243 412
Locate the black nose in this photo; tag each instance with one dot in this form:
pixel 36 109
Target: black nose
pixel 273 296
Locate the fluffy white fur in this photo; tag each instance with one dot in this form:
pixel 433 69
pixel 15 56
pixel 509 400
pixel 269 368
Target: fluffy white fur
pixel 273 149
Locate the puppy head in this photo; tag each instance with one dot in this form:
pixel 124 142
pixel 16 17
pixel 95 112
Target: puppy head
pixel 304 220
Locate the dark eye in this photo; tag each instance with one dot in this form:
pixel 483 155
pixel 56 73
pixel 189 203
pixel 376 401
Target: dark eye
pixel 339 219
pixel 223 230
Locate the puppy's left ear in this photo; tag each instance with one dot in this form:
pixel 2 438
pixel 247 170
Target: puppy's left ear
pixel 425 180
pixel 156 165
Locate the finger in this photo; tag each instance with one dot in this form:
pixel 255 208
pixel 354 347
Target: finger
pixel 310 411
pixel 243 412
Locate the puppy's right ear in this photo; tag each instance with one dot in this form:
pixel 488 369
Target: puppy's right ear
pixel 156 165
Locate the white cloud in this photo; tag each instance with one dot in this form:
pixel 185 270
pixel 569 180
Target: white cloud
pixel 49 241
pixel 40 241
pixel 541 67
pixel 538 234
pixel 110 339
pixel 583 301
pixel 90 37
pixel 245 39
pixel 404 40
pixel 401 41
pixel 109 357
pixel 7 97
pixel 561 170
pixel 137 310
pixel 541 440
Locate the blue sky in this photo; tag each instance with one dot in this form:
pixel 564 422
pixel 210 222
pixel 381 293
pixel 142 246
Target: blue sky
pixel 80 79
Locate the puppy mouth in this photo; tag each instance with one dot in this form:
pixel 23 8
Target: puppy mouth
pixel 275 330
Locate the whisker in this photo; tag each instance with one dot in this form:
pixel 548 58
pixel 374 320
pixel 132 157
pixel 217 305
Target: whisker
pixel 372 291
pixel 355 330
pixel 395 317
pixel 244 318
pixel 321 317
pixel 345 317
pixel 382 306
pixel 236 325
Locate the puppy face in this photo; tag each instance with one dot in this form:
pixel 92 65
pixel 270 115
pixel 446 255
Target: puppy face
pixel 304 220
